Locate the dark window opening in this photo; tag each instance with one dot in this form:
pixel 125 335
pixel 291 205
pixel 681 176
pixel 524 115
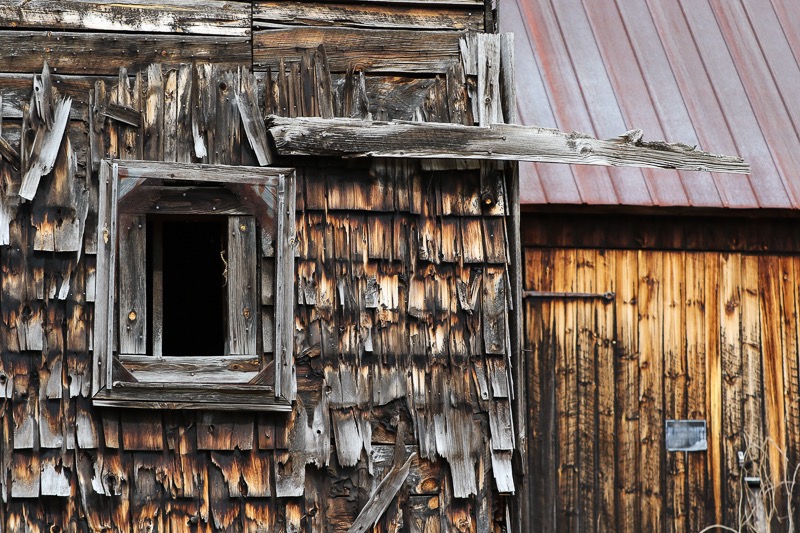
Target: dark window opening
pixel 192 254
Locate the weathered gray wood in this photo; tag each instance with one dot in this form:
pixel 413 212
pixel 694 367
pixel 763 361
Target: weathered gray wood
pixel 324 86
pixel 132 286
pixel 104 294
pixel 9 153
pixel 173 200
pixel 489 95
pixel 205 17
pixel 105 53
pixel 285 377
pixel 157 288
pixel 241 283
pixel 243 398
pixel 507 81
pixel 176 370
pixel 358 138
pixel 367 15
pixel 380 499
pixel 170 125
pixel 153 114
pixel 252 120
pixel 199 172
pixel 368 50
pixel 45 149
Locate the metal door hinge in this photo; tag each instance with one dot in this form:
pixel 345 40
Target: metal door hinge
pixel 608 296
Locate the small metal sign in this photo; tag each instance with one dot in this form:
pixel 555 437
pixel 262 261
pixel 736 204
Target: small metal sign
pixel 686 436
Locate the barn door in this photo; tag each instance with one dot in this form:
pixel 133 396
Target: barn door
pixel 569 342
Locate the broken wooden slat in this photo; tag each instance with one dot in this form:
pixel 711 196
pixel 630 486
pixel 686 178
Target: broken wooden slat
pixel 200 172
pixel 358 138
pixel 380 499
pixel 252 120
pixel 206 17
pixel 45 149
pixel 369 50
pixel 121 113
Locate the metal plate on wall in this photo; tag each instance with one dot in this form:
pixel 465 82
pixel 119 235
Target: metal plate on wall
pixel 686 436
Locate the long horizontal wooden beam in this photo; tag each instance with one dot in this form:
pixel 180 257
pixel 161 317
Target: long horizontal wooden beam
pixel 359 138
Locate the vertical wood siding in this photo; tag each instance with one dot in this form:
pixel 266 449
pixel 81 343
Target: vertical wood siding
pixel 690 335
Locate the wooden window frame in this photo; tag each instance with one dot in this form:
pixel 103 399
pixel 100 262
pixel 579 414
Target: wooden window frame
pixel 267 190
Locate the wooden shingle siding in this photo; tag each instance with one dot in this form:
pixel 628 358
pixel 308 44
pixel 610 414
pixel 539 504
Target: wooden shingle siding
pixel 400 331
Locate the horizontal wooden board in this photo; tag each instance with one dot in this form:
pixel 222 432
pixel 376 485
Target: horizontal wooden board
pixel 198 172
pixel 217 398
pixel 202 17
pixel 368 50
pixel 410 17
pixel 183 201
pixel 222 369
pixel 106 53
pixel 359 138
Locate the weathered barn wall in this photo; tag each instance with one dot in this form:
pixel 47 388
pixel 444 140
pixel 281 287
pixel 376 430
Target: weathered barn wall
pixel 403 294
pixel 703 325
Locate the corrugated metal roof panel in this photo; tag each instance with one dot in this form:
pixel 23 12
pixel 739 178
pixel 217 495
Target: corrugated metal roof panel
pixel 712 72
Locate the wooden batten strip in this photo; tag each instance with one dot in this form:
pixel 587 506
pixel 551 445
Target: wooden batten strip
pixel 362 138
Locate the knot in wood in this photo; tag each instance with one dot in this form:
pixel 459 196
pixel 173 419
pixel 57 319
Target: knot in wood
pixel 246 312
pixel 132 315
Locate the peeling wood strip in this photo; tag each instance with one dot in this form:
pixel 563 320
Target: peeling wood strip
pixel 45 149
pixel 380 499
pixel 252 120
pixel 357 138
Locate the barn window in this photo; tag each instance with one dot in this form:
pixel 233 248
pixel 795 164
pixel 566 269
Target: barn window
pixel 194 273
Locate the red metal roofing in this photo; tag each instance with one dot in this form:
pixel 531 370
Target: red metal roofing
pixel 722 74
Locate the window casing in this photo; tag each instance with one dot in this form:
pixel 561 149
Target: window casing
pixel 255 206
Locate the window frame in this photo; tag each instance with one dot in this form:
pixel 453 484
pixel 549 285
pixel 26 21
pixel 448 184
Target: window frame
pixel 112 384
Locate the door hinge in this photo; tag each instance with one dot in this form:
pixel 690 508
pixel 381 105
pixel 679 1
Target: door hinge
pixel 608 296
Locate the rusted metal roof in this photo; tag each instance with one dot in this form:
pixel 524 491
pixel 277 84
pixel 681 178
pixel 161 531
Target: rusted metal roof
pixel 722 74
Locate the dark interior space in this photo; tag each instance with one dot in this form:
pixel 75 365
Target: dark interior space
pixel 193 294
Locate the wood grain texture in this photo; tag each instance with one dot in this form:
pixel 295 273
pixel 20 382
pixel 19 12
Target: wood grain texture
pixel 353 138
pixel 367 16
pixel 368 50
pixel 242 286
pixel 105 53
pixel 206 17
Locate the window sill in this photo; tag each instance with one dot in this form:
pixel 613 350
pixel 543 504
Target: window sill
pixel 216 397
